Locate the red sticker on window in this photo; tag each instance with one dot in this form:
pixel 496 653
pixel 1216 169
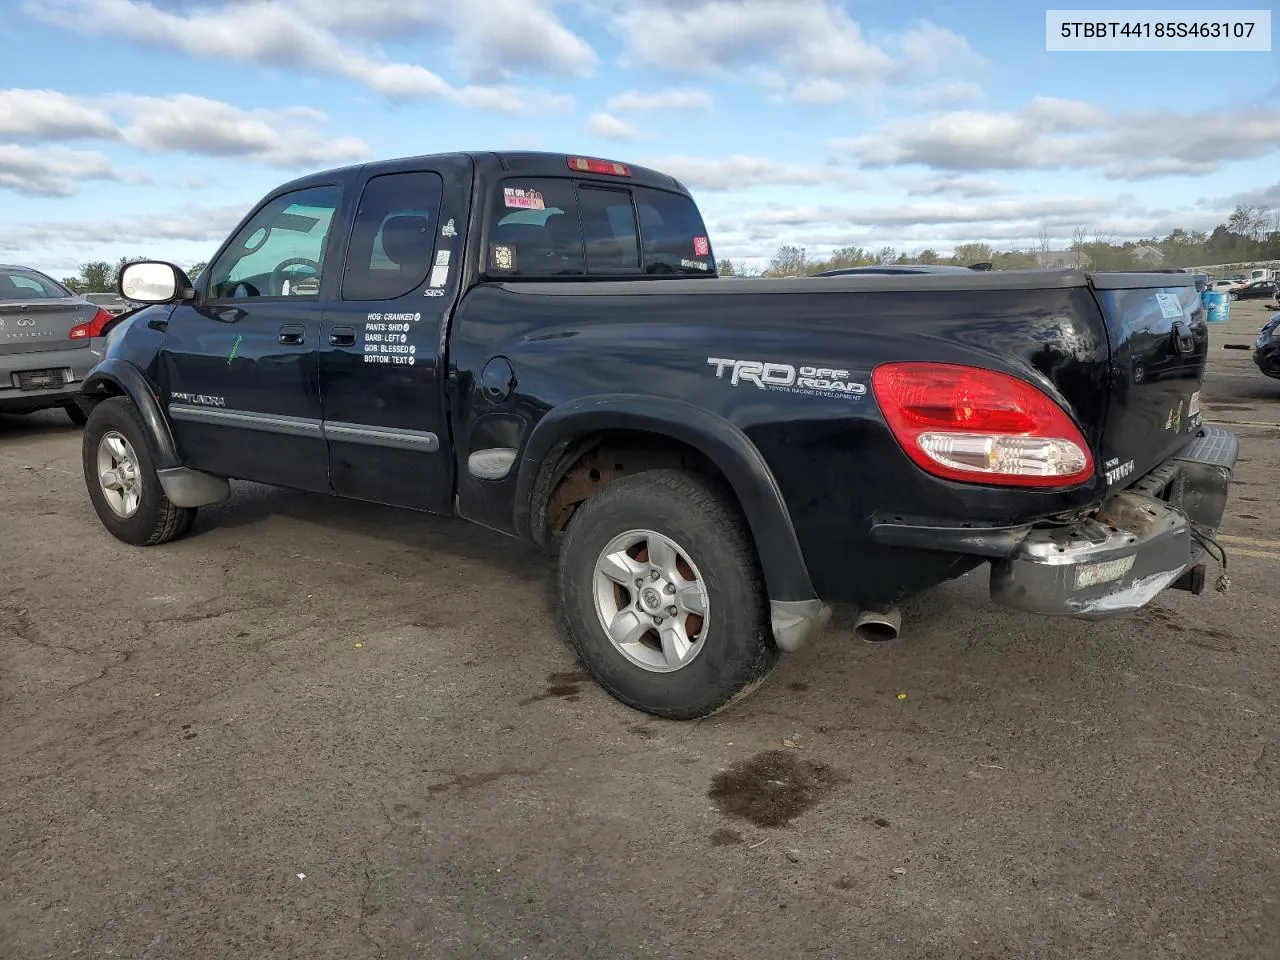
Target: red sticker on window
pixel 701 247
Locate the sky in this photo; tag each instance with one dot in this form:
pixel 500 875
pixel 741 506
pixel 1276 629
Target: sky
pixel 132 128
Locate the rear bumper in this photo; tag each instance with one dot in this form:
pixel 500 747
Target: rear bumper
pixel 1135 545
pixel 74 363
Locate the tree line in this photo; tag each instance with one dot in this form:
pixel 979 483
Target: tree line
pixel 1250 233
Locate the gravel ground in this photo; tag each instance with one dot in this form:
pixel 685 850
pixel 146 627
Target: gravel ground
pixel 326 729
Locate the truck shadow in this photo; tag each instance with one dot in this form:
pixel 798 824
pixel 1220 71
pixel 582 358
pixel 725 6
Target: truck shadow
pixel 424 534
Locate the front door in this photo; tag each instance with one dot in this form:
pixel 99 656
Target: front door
pixel 383 364
pixel 240 364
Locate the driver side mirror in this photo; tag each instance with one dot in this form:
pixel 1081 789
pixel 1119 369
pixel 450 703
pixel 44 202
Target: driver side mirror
pixel 154 281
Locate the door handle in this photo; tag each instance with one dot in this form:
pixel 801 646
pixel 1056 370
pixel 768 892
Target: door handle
pixel 293 334
pixel 342 336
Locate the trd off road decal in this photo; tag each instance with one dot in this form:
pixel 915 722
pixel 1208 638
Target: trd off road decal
pixel 807 381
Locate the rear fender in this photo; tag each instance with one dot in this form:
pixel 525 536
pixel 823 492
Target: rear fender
pixel 183 486
pixel 796 610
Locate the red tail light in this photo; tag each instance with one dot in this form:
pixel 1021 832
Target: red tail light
pixel 585 165
pixel 93 328
pixel 979 426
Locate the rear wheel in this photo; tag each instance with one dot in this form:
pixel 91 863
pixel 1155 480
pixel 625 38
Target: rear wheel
pixel 663 596
pixel 120 474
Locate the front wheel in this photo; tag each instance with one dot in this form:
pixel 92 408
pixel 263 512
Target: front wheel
pixel 663 596
pixel 121 477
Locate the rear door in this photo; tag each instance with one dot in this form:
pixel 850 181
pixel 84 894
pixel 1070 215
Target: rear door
pixel 240 364
pixel 383 350
pixel 1159 343
pixel 36 316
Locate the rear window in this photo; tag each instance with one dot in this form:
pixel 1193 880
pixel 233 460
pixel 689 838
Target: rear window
pixel 28 285
pixel 675 239
pixel 556 228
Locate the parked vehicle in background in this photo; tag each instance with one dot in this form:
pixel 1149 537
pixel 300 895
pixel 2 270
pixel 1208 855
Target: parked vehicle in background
pixel 541 345
pixel 1223 286
pixel 1266 353
pixel 50 338
pixel 1258 290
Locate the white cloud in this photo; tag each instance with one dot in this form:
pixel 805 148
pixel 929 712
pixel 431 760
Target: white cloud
pixel 190 124
pixel 804 51
pixel 304 36
pixel 609 127
pixel 1050 133
pixel 492 38
pixel 802 37
pixel 740 172
pixel 50 115
pixel 53 172
pixel 669 98
pixel 955 186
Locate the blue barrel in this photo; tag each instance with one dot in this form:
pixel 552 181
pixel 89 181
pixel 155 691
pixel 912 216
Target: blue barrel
pixel 1217 304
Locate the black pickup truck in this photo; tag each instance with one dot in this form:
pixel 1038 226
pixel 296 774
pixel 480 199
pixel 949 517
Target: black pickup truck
pixel 541 344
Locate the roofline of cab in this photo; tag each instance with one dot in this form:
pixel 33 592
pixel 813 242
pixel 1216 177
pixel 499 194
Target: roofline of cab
pixel 495 164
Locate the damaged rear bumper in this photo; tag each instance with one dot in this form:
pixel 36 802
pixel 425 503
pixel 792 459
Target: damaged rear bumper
pixel 1138 543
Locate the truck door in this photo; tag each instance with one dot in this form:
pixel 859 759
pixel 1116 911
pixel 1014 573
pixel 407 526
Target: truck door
pixel 239 364
pixel 383 359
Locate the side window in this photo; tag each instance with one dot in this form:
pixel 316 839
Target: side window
pixel 609 226
pixel 393 237
pixel 534 231
pixel 673 234
pixel 280 251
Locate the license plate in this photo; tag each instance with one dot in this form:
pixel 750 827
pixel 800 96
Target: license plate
pixel 39 379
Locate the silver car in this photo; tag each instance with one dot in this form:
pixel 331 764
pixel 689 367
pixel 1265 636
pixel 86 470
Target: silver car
pixel 49 339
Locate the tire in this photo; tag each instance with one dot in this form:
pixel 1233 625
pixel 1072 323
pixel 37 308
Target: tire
pixel 153 519
pixel 732 649
pixel 75 414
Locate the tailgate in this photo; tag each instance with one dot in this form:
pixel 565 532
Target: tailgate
pixel 1159 342
pixel 34 325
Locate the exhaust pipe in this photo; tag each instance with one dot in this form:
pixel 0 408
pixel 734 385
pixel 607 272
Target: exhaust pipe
pixel 878 626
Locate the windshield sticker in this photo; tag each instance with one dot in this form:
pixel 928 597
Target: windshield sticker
pixel 502 256
pixel 442 258
pixel 439 276
pixel 449 229
pixel 695 265
pixel 523 199
pixel 1170 306
pixel 701 247
pixel 807 381
pixel 1193 407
